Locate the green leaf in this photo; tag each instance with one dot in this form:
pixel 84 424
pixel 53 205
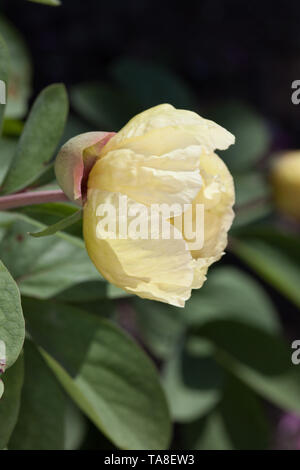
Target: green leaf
pixel 8 148
pixel 208 433
pixel 102 105
pixel 4 64
pixel 91 291
pixel 49 213
pixel 244 417
pixel 251 133
pixel 231 294
pixel 41 419
pixel 160 326
pixel 46 266
pixel 75 427
pixel 46 181
pixel 10 401
pixel 192 383
pixel 12 327
pixel 274 255
pixel 151 84
pixel 53 3
pixel 53 212
pixel 105 373
pixel 39 139
pixel 1 388
pixel 259 359
pixel 20 71
pixel 238 423
pixel 61 225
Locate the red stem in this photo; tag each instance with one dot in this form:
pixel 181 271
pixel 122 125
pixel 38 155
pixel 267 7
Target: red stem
pixel 31 197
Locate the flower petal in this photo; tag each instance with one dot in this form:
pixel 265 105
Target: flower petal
pixel 164 120
pixel 173 178
pixel 159 269
pixel 217 195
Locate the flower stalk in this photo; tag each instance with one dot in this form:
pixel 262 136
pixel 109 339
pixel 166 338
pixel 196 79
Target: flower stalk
pixel 27 198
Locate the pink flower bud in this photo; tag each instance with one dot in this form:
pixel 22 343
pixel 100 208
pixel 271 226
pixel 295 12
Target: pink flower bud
pixel 75 161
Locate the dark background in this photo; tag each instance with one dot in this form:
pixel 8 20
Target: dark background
pixel 221 48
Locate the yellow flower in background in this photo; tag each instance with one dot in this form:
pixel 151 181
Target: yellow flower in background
pixel 285 180
pixel 162 155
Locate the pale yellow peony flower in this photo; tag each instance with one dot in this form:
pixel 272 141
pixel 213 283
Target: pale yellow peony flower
pixel 285 179
pixel 162 155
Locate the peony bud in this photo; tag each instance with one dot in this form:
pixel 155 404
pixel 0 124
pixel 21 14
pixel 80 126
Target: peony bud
pixel 75 160
pixel 285 180
pixel 162 156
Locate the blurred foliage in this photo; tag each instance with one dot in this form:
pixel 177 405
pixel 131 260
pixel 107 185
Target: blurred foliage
pixel 19 71
pixel 137 86
pixel 214 368
pixel 251 131
pixel 274 254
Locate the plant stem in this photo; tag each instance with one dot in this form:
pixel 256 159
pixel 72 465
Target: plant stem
pixel 31 197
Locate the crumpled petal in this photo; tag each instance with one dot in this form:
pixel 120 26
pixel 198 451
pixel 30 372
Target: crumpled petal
pixel 173 178
pixel 152 121
pixel 217 195
pixel 156 269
